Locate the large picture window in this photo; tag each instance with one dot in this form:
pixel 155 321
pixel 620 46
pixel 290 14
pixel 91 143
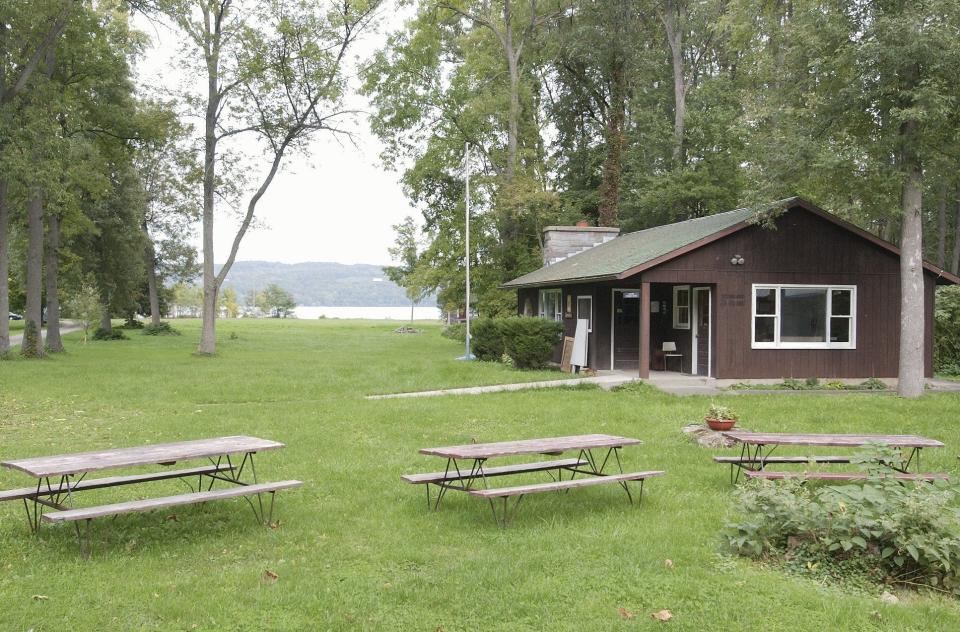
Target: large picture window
pixel 551 305
pixel 804 316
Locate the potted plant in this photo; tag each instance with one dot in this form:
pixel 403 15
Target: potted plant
pixel 720 418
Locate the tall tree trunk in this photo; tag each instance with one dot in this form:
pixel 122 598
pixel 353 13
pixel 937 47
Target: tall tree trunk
pixel 513 67
pixel 955 260
pixel 150 260
pixel 4 272
pixel 32 345
pixel 912 310
pixel 613 163
pixel 106 322
pixel 52 257
pixel 942 226
pixel 208 333
pixel 675 40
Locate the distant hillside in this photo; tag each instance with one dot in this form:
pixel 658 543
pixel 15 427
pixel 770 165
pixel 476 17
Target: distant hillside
pixel 332 284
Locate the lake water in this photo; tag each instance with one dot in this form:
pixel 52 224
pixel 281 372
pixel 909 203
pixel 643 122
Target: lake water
pixel 373 313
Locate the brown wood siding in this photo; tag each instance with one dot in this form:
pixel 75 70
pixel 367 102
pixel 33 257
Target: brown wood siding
pixel 803 249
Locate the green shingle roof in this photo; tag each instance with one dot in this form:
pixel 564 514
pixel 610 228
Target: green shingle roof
pixel 611 259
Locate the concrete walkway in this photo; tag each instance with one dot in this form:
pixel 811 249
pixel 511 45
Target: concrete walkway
pixel 606 382
pixel 666 381
pixel 66 327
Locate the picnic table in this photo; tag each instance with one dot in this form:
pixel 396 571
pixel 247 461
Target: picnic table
pixel 466 466
pixel 756 452
pixel 61 477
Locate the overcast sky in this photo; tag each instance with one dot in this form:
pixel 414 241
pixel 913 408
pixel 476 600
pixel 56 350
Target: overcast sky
pixel 337 205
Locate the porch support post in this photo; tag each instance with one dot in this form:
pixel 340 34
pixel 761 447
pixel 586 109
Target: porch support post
pixel 644 330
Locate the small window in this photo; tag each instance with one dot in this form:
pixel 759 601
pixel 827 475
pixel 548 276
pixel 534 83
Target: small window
pixel 585 310
pixel 804 317
pixel 681 307
pixel 551 305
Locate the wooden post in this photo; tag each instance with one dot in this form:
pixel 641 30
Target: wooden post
pixel 645 330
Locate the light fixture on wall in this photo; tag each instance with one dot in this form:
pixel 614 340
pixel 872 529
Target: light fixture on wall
pixel 736 260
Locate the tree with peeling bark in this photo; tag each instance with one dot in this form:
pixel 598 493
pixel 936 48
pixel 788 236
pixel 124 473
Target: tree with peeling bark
pixel 275 71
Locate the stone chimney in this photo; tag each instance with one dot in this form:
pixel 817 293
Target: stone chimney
pixel 560 242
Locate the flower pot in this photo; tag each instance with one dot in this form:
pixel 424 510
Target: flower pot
pixel 720 424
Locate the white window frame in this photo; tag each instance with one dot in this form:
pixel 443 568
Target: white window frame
pixel 590 316
pixel 677 323
pixel 777 344
pixel 557 315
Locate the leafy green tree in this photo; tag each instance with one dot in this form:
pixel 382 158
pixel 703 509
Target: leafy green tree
pixel 277 302
pixel 84 305
pixel 230 305
pixel 170 176
pixel 274 73
pixel 858 99
pixel 405 251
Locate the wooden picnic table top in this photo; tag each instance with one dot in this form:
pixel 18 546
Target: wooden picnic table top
pixel 550 445
pixel 850 440
pixel 160 453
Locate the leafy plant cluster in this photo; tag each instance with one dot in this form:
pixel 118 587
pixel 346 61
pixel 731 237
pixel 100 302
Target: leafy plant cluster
pixel 527 342
pixel 721 412
pixel 162 328
pixel 814 384
pixel 456 331
pixel 109 334
pixel 892 532
pixel 946 344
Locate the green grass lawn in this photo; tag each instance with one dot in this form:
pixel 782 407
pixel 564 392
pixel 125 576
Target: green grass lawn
pixel 356 548
pixel 16 326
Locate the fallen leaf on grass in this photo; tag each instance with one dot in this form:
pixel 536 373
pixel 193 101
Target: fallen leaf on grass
pixel 275 525
pixel 171 517
pixel 270 577
pixel 663 615
pixel 668 563
pixel 40 597
pixel 624 613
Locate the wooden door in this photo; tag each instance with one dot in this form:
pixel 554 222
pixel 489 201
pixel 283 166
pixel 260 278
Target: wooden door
pixel 701 329
pixel 626 329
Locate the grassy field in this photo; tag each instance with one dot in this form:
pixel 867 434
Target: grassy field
pixel 356 548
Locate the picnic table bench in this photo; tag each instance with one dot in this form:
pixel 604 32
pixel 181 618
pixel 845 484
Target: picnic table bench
pixel 61 477
pixel 756 449
pixel 845 476
pixel 466 466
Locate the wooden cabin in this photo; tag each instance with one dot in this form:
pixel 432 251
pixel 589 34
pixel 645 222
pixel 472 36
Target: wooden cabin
pixel 801 294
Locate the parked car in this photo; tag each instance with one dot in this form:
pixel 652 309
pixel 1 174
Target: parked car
pixel 15 316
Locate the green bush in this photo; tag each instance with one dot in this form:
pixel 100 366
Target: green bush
pixel 946 343
pixel 904 533
pixel 529 341
pixel 160 329
pixel 872 384
pixel 457 331
pixel 486 339
pixel 132 323
pixel 109 334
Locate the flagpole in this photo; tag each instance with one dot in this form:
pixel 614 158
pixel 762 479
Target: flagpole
pixel 466 159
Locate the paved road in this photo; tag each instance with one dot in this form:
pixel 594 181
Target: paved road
pixel 66 327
